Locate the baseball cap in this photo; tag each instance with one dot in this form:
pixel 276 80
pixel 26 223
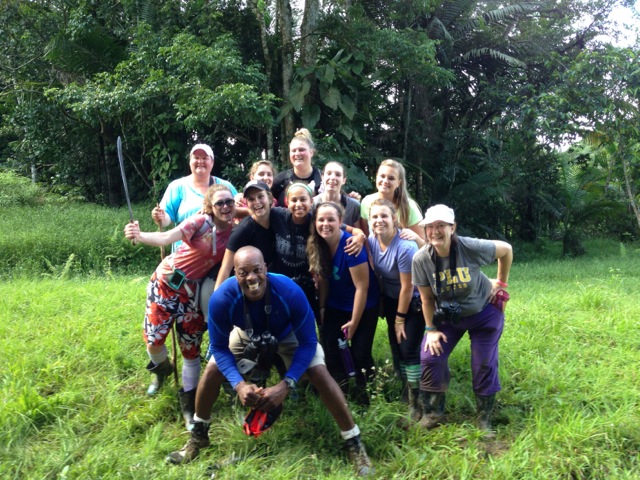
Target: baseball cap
pixel 257 184
pixel 257 421
pixel 438 212
pixel 204 147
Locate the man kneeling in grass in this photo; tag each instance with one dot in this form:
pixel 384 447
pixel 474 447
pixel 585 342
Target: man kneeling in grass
pixel 265 306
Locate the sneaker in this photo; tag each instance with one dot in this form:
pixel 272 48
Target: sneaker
pixel 358 456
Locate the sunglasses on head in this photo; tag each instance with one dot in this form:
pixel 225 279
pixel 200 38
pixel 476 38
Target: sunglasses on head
pixel 229 202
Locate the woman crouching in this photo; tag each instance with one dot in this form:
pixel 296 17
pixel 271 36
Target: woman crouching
pixel 457 298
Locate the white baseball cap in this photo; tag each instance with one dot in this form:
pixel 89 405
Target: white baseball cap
pixel 204 147
pixel 438 212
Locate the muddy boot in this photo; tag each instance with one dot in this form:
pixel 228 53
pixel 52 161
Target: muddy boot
pixel 415 409
pixel 485 404
pixel 432 409
pixel 160 373
pixel 358 456
pixel 188 406
pixel 199 439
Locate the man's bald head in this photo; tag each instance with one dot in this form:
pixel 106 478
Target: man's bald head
pixel 251 272
pixel 248 252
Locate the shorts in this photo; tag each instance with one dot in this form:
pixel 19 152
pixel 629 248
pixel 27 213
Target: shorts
pixel 166 306
pixel 238 340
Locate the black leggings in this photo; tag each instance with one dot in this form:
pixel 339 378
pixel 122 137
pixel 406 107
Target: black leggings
pixel 409 350
pixel 361 343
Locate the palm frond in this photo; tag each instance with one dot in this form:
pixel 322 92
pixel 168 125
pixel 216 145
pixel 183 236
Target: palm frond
pixel 477 53
pixel 509 12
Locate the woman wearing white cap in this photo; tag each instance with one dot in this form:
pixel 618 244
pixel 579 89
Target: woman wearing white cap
pixel 183 198
pixel 457 298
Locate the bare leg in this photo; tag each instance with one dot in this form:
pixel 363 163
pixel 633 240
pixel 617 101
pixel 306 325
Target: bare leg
pixel 208 390
pixel 331 396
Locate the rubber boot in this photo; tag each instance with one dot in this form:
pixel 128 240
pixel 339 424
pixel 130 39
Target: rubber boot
pixel 358 456
pixel 432 409
pixel 160 373
pixel 188 406
pixel 485 405
pixel 415 409
pixel 199 439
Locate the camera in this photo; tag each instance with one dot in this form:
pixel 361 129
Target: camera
pixel 447 312
pixel 261 347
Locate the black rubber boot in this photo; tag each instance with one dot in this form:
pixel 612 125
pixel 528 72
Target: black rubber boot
pixel 199 439
pixel 432 409
pixel 485 405
pixel 188 406
pixel 358 456
pixel 160 373
pixel 415 409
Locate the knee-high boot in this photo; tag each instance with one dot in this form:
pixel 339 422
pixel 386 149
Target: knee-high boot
pixel 432 409
pixel 485 405
pixel 188 406
pixel 160 373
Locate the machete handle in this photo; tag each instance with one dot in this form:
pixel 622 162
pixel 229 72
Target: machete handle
pixel 134 241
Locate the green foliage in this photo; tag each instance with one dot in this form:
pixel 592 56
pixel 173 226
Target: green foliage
pixel 19 191
pixel 473 97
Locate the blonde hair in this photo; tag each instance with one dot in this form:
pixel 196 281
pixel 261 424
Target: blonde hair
pixel 207 203
pixel 304 135
pixel 260 163
pixel 318 252
pixel 401 195
pixel 383 202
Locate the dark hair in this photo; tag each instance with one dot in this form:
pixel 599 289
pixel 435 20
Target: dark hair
pixel 320 259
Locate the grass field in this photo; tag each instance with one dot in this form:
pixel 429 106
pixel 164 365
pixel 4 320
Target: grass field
pixel 72 385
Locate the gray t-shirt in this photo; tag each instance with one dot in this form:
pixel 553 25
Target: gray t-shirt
pixel 396 259
pixel 351 209
pixel 468 285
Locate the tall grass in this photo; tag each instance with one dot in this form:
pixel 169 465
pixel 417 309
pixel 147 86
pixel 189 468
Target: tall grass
pixel 73 380
pixel 46 235
pixel 72 377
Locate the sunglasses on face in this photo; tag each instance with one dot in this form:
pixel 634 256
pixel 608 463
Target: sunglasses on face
pixel 229 202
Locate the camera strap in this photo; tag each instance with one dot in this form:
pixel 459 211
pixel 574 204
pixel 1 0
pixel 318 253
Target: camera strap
pixel 267 311
pixel 452 267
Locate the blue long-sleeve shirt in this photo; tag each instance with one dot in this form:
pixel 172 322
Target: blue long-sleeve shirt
pixel 290 311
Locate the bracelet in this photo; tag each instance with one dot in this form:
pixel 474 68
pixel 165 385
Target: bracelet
pixel 401 315
pixel 502 284
pixel 430 329
pixel 399 322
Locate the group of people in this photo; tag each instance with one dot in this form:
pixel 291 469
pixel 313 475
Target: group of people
pixel 310 275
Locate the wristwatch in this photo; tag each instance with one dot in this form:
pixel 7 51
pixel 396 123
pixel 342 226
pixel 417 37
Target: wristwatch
pixel 291 383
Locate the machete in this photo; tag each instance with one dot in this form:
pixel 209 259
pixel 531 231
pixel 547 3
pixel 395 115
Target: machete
pixel 124 183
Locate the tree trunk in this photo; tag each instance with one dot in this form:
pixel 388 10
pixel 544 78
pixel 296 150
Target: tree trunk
pixel 308 36
pixel 264 40
pixel 285 25
pixel 628 183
